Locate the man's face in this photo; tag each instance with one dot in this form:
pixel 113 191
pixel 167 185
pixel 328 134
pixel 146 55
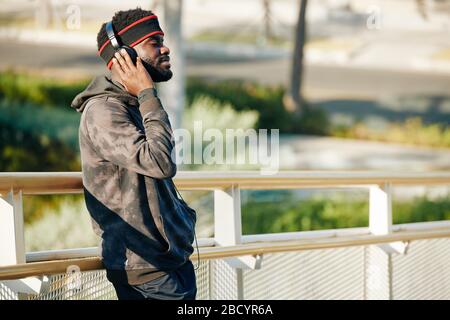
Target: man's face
pixel 155 57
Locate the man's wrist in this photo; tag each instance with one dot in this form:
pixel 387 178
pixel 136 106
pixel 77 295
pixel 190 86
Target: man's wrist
pixel 147 93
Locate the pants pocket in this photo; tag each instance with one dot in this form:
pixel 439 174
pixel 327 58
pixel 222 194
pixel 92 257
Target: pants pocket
pixel 179 284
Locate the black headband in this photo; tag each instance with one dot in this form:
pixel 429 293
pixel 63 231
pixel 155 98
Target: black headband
pixel 130 36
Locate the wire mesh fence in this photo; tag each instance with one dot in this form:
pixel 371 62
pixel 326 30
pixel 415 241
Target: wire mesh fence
pixel 359 272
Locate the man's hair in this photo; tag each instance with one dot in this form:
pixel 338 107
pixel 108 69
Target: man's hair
pixel 120 20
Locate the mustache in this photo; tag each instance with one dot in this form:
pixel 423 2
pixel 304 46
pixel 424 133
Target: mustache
pixel 156 61
pixel 163 58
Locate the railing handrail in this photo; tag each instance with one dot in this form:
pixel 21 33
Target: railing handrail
pixel 71 182
pixel 19 271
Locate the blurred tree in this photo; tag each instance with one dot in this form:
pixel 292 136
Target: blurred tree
pixel 422 7
pixel 23 150
pixel 293 99
pixel 172 93
pixel 267 20
pixel 154 5
pixel 428 8
pixel 44 14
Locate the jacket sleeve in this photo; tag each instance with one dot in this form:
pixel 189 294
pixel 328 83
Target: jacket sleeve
pixel 117 139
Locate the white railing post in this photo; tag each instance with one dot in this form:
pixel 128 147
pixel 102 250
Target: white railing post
pixel 227 216
pixel 228 232
pixel 12 241
pixel 12 244
pixel 378 258
pixel 227 280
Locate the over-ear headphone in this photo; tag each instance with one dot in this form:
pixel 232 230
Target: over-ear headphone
pixel 116 45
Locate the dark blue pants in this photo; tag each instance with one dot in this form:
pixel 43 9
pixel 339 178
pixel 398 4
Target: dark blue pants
pixel 175 285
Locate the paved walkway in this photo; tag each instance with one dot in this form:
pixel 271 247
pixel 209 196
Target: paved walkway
pixel 305 152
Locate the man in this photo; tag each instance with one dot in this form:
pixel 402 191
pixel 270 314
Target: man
pixel 126 146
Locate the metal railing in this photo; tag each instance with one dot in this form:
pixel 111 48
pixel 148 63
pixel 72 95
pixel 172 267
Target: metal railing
pixel 230 251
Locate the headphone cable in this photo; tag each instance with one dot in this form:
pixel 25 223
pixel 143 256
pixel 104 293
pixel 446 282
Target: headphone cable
pixel 195 235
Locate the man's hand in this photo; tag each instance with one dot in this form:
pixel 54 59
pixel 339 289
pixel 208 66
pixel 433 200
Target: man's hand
pixel 135 78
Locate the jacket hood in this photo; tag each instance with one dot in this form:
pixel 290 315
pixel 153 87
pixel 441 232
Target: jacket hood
pixel 103 86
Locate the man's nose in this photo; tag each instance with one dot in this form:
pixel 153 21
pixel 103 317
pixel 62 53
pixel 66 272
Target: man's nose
pixel 165 50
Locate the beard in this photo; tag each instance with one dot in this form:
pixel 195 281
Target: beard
pixel 155 70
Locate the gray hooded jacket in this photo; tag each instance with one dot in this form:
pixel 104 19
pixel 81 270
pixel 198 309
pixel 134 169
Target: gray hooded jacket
pixel 126 144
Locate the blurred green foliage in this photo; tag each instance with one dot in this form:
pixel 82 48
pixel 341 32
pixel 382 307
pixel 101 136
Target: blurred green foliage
pixel 37 207
pixel 38 132
pixel 410 131
pixel 38 90
pixel 66 226
pixel 267 101
pixel 290 215
pixel 215 114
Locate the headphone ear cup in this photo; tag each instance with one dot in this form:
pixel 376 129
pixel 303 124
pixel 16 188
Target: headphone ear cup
pixel 132 53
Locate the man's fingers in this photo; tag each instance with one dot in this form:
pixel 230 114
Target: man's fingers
pixel 118 68
pixel 134 80
pixel 117 64
pixel 121 61
pixel 139 64
pixel 128 60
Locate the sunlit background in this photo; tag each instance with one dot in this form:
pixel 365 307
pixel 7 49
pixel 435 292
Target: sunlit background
pixel 373 94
